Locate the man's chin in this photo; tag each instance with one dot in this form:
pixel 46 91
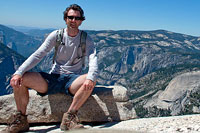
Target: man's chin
pixel 73 26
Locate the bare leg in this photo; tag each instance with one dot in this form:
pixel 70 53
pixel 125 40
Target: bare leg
pixel 29 80
pixel 80 93
pixel 21 96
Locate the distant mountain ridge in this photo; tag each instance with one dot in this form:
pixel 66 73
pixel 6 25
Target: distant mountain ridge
pixel 18 41
pixel 22 29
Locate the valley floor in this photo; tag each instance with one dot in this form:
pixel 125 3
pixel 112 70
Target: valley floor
pixel 173 124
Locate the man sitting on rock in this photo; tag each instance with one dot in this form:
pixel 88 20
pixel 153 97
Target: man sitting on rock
pixel 64 76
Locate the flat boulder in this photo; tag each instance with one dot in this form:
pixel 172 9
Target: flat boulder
pixel 107 103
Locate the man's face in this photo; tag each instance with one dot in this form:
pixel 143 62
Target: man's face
pixel 71 20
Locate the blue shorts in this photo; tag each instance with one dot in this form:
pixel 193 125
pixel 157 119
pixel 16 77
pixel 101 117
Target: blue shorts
pixel 58 83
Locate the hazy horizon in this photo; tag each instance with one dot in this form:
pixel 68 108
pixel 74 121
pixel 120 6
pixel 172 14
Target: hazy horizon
pixel 180 16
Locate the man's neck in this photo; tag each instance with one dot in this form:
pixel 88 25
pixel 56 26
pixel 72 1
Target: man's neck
pixel 72 32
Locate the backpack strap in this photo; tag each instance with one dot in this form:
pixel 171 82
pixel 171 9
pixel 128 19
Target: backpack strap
pixel 83 46
pixel 59 41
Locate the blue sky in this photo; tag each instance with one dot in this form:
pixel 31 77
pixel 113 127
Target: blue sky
pixel 180 16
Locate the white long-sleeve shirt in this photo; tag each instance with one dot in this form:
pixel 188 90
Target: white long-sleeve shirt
pixel 66 54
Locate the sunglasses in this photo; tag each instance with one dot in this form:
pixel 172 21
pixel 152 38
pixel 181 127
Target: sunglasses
pixel 74 17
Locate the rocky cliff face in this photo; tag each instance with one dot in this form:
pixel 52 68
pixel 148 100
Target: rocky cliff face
pixel 9 62
pixel 157 95
pixel 181 96
pixel 126 56
pixel 19 42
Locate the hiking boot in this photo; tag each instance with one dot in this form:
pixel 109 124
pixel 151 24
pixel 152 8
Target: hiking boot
pixel 70 121
pixel 19 124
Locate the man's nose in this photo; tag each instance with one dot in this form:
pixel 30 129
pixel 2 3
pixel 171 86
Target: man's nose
pixel 74 19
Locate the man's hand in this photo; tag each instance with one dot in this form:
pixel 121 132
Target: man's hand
pixel 89 84
pixel 16 81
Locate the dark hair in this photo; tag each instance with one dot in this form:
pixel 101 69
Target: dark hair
pixel 76 8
